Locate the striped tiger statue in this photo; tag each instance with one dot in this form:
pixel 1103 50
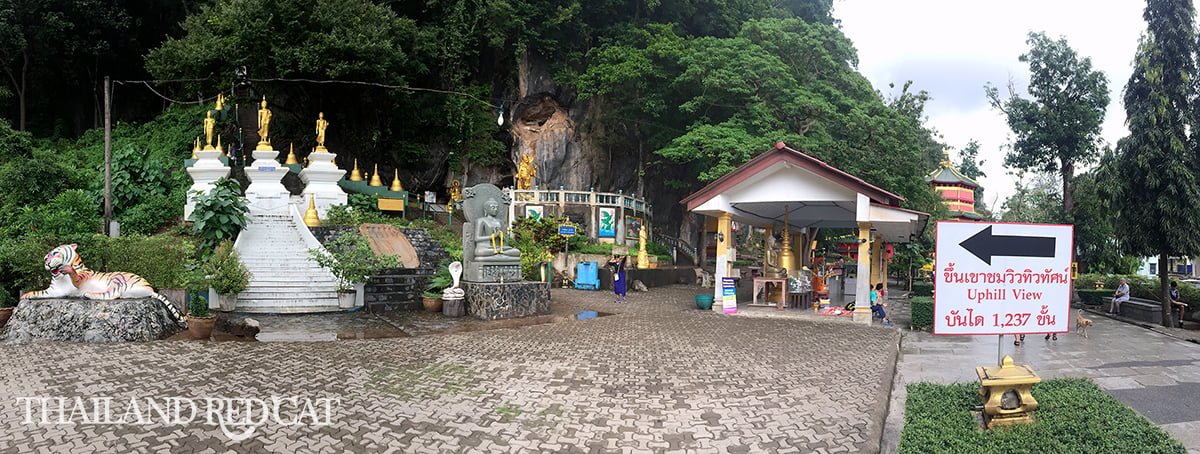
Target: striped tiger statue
pixel 69 277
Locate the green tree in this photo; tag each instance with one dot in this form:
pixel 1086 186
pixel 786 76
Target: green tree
pixel 1159 197
pixel 1058 129
pixel 1037 201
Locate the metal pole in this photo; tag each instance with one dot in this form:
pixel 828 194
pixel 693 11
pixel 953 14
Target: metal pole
pixel 1000 350
pixel 108 211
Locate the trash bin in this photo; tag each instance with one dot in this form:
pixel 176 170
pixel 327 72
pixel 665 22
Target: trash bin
pixel 587 276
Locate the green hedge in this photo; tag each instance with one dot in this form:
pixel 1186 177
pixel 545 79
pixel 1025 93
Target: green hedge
pixel 165 261
pixel 922 289
pixel 1139 286
pixel 1093 296
pixel 1074 415
pixel 922 311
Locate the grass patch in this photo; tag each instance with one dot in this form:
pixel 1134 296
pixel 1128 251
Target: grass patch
pixel 1074 416
pixel 422 383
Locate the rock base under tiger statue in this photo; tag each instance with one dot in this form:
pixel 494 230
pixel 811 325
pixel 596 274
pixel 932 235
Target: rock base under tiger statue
pixel 80 320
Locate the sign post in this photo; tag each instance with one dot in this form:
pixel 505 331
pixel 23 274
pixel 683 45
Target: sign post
pixel 729 295
pixel 1002 278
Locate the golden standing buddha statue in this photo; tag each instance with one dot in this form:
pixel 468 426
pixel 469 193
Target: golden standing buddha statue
pixel 264 127
pixel 210 123
pixel 322 123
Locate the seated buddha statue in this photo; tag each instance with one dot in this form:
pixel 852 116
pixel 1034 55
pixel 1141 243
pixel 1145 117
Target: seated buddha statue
pixel 490 237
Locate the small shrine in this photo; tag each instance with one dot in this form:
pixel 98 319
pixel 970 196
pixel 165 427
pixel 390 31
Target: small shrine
pixel 956 190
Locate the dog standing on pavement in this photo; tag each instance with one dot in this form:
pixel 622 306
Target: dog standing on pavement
pixel 1082 323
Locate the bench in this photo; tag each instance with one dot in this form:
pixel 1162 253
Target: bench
pixel 1141 309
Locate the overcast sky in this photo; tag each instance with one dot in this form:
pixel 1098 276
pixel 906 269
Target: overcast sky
pixel 951 48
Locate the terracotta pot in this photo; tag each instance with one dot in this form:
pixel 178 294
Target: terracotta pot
pixel 5 314
pixel 432 304
pixel 200 328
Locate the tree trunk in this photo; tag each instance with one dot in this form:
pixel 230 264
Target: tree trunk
pixel 1068 173
pixel 1164 292
pixel 23 90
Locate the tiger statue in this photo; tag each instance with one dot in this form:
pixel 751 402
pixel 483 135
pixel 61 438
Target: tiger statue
pixel 69 277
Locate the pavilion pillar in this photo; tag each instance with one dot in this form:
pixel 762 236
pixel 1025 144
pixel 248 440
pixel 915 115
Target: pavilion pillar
pixel 883 266
pixel 800 251
pixel 876 267
pixel 862 283
pixel 724 256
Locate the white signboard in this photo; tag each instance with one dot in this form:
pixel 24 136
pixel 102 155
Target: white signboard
pixel 1000 278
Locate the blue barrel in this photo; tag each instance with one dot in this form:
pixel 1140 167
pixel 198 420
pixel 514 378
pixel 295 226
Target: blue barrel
pixel 587 276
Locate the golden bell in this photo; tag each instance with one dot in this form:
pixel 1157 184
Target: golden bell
pixel 310 217
pixel 355 175
pixel 291 157
pixel 219 147
pixel 396 186
pixel 375 181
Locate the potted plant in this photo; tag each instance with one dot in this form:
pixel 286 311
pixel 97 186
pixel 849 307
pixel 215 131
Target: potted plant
pixel 226 276
pixel 352 261
pixel 200 321
pixel 432 298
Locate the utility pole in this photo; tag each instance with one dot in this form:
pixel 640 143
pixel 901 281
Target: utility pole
pixel 108 211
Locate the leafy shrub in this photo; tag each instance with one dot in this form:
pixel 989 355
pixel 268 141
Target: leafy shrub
pixel 198 304
pixel 440 281
pixel 163 260
pixel 349 215
pixel 1093 296
pixel 224 272
pixel 149 216
pixel 71 215
pixel 922 311
pixel 544 232
pixel 595 248
pixel 366 203
pixel 219 215
pixel 922 289
pixel 1074 415
pixel 350 258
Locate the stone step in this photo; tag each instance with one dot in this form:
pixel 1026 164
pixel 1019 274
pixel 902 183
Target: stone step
pixel 274 307
pixel 255 293
pixel 290 287
pixel 290 279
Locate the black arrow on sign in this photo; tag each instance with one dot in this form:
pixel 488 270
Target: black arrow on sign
pixel 985 245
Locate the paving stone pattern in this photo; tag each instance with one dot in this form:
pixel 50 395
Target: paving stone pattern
pixel 658 376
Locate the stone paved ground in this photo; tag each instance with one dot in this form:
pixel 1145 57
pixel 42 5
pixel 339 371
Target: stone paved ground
pixel 1155 374
pixel 657 376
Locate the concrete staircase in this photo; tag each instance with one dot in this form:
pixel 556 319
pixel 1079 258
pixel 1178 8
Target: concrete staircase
pixel 284 279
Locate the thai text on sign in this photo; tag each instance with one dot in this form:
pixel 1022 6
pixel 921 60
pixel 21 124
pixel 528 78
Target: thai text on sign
pixel 1001 278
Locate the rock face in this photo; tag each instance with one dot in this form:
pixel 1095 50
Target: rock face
pixel 79 320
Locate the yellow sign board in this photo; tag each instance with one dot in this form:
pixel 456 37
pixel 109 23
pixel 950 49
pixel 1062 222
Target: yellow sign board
pixel 391 204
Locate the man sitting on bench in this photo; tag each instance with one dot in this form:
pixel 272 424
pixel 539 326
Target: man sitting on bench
pixel 1177 304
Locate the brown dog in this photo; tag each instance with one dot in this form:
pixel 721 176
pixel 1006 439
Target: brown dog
pixel 1082 323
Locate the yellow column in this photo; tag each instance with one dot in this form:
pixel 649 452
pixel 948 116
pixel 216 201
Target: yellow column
pixel 862 284
pixel 724 260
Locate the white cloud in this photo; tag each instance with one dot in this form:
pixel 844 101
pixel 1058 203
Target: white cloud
pixel 952 48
